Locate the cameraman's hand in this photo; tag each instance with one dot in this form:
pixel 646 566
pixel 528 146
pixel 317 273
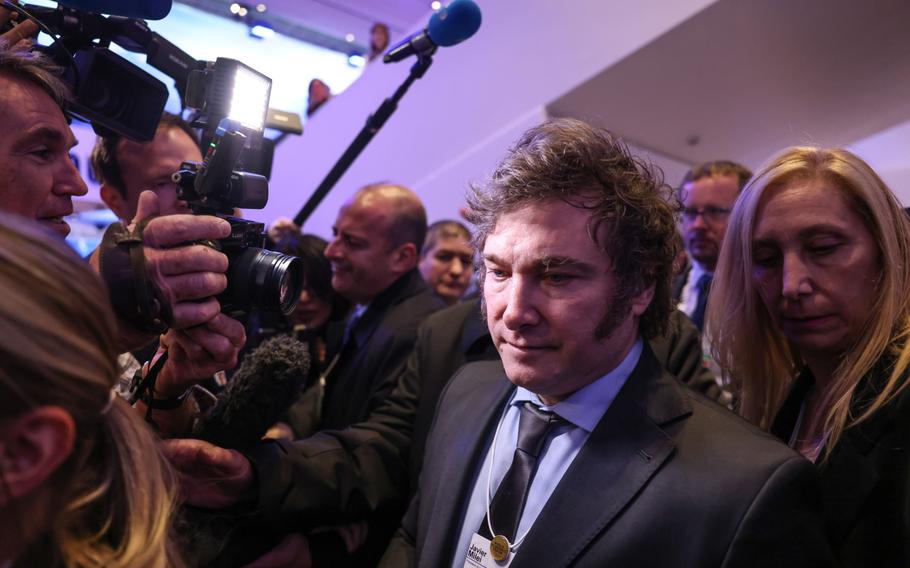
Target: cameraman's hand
pixel 283 228
pixel 21 36
pixel 196 353
pixel 211 477
pixel 188 276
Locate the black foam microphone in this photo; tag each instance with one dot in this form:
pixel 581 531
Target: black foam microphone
pixel 453 24
pixel 260 392
pixel 142 9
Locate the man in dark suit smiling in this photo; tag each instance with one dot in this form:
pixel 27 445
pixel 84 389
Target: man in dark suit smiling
pixel 576 448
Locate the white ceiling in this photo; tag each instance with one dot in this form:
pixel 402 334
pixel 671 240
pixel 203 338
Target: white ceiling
pixel 340 17
pixel 742 79
pixel 330 21
pixel 739 80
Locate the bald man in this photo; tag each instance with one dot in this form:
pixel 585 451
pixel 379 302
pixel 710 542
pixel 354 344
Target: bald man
pixel 374 253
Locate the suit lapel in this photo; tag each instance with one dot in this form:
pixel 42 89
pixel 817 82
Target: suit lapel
pixel 473 329
pixel 350 353
pixel 463 434
pixel 850 474
pixel 333 336
pixel 622 454
pixel 408 285
pixel 679 282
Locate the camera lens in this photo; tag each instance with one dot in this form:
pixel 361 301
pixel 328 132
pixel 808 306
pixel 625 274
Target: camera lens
pixel 260 278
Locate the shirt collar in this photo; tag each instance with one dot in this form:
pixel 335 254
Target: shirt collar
pixel 697 272
pixel 359 309
pixel 585 407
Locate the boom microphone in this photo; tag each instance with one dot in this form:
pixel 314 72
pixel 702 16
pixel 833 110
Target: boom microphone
pixel 142 9
pixel 453 24
pixel 260 392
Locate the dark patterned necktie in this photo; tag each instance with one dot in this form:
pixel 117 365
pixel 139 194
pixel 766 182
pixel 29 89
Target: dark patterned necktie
pixel 509 501
pixel 702 287
pixel 352 322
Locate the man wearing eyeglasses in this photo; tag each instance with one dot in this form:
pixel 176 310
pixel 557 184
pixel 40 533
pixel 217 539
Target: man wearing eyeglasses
pixel 707 193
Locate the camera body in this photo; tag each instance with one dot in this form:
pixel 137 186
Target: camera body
pixel 231 103
pixel 257 278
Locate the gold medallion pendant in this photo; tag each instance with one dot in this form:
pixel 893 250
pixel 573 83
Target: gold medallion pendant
pixel 499 548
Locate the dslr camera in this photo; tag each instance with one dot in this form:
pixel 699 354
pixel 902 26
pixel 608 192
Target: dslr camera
pixel 230 101
pixel 257 278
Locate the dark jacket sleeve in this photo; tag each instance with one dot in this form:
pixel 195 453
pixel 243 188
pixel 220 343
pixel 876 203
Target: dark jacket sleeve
pixel 679 351
pixel 366 375
pixel 782 527
pixel 402 551
pixel 343 475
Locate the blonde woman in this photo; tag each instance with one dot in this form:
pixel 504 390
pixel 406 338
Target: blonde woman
pixel 809 317
pixel 81 480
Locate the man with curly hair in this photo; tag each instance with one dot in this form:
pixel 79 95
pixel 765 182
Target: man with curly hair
pixel 577 448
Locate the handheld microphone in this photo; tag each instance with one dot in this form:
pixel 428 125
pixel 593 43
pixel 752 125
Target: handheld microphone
pixel 453 24
pixel 260 392
pixel 142 9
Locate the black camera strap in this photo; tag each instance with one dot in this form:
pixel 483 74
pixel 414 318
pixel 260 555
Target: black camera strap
pixel 133 294
pixel 143 388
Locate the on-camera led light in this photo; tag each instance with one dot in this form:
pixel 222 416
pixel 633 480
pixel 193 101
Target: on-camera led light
pixel 249 98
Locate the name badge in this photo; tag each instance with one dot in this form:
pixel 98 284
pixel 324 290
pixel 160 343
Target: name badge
pixel 479 554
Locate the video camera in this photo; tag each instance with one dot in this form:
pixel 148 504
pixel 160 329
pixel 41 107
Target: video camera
pixel 230 101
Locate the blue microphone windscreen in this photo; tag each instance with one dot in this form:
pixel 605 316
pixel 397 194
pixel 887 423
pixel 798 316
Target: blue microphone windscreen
pixel 142 9
pixel 455 23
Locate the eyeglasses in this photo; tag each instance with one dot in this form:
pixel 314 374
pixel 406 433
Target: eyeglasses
pixel 709 214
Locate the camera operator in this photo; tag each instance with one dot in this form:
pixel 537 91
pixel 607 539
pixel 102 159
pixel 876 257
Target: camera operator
pixel 38 180
pixel 126 168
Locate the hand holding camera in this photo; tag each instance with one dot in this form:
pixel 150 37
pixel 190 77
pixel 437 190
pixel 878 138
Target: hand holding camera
pixel 188 276
pixel 21 34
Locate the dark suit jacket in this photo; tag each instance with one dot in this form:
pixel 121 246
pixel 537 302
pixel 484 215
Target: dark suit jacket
pixel 341 475
pixel 459 335
pixel 865 478
pixel 379 344
pixel 679 282
pixel 667 478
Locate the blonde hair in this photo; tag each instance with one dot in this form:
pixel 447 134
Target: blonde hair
pixel 113 495
pixel 753 354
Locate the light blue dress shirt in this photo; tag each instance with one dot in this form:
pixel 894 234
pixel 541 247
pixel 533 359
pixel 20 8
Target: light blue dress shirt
pixel 582 410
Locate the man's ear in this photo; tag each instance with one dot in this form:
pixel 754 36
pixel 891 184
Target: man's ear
pixel 32 447
pixel 117 203
pixel 405 257
pixel 642 300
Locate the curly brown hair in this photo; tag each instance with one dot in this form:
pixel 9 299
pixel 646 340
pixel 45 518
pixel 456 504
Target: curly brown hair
pixel 633 212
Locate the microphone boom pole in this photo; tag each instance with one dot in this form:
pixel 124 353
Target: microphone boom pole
pixel 373 124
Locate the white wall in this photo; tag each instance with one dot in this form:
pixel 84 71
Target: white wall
pixel 458 121
pixel 888 152
pixel 673 169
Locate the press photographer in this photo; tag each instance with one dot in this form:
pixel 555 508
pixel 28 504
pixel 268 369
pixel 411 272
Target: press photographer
pixel 38 182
